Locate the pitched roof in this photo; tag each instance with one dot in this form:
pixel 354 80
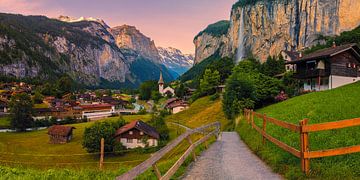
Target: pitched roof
pixel 60 130
pixel 171 100
pixel 90 106
pixel 328 52
pixel 139 125
pixel 178 104
pixel 292 54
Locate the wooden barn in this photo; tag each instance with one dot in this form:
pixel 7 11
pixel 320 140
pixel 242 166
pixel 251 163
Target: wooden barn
pixel 59 134
pixel 328 68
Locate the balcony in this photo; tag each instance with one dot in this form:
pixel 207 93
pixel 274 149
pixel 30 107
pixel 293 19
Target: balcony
pixel 312 73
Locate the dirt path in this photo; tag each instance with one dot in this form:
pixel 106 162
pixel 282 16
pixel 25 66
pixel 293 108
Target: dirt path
pixel 229 158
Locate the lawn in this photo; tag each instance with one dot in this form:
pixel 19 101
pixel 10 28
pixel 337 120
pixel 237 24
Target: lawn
pixel 319 107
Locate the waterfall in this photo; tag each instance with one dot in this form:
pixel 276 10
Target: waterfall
pixel 241 47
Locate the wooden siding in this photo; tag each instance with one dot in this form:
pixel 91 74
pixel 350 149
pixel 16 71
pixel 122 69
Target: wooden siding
pixel 339 65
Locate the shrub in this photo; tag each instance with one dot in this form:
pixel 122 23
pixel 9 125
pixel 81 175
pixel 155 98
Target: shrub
pixel 106 130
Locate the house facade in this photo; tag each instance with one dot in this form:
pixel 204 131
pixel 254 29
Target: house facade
pixel 97 111
pixel 137 134
pixel 328 68
pixel 288 57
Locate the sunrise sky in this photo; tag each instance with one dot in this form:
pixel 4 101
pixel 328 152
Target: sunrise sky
pixel 168 22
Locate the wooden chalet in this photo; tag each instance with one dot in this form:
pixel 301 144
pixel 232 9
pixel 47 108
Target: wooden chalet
pixel 134 134
pixel 328 68
pixel 59 134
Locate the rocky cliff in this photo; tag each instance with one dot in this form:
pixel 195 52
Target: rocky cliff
pixel 86 49
pixel 274 25
pixel 128 37
pixel 175 60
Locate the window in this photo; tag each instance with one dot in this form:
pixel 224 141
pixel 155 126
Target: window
pixel 139 141
pixel 141 133
pixel 130 132
pixel 129 140
pixel 348 65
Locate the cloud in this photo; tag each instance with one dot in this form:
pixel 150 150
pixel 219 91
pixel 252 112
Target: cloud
pixel 29 7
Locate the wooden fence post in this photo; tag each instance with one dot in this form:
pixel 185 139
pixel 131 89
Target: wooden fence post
pixel 157 171
pixel 264 129
pixel 252 118
pixel 304 147
pixel 102 153
pixel 193 152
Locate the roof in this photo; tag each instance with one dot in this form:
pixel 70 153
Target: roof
pixel 161 80
pixel 139 125
pixel 90 106
pixel 60 130
pixel 328 52
pixel 178 104
pixel 171 100
pixel 292 54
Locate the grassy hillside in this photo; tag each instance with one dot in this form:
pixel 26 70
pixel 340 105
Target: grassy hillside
pixel 319 107
pixel 201 112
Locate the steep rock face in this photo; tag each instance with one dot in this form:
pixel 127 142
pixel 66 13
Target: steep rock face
pixel 175 60
pixel 207 45
pixel 272 26
pixel 35 46
pixel 128 37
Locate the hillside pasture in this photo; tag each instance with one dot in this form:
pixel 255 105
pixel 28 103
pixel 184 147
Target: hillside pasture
pixel 319 107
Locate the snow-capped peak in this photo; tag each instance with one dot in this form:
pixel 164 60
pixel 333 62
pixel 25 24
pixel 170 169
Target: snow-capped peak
pixel 73 20
pixel 175 60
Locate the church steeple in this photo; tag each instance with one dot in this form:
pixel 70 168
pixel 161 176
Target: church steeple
pixel 161 80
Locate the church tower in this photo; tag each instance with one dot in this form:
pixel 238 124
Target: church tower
pixel 161 84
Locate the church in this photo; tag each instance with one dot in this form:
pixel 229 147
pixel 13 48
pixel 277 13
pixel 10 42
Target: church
pixel 165 91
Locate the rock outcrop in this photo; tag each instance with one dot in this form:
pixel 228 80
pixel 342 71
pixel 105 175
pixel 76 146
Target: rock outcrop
pixel 272 26
pixel 128 37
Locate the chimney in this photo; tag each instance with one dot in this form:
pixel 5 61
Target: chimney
pixel 334 44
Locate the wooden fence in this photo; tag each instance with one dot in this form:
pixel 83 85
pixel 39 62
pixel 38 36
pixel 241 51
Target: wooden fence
pixel 303 129
pixel 209 130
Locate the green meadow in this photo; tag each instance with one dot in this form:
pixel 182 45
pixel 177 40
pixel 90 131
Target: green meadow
pixel 318 107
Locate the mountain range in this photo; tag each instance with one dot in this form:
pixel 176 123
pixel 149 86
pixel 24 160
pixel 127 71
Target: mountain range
pixel 85 49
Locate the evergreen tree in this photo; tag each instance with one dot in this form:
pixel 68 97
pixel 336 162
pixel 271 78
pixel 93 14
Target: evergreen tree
pixel 208 83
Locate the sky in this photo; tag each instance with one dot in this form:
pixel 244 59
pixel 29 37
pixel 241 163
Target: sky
pixel 170 23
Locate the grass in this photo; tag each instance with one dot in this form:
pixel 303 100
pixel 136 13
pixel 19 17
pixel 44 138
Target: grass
pixel 201 112
pixel 36 143
pixel 4 122
pixel 43 105
pixel 319 107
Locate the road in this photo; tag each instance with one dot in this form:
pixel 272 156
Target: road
pixel 229 158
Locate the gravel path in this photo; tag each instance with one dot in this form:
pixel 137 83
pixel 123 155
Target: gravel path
pixel 229 158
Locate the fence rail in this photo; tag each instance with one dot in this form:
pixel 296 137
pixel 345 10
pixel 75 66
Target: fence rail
pixel 303 129
pixel 151 162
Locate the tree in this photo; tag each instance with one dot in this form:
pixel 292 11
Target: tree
pixel 240 88
pixel 93 134
pixel 209 82
pixel 38 97
pixel 155 95
pixel 21 110
pixel 273 66
pixel 180 91
pixel 158 122
pixel 146 88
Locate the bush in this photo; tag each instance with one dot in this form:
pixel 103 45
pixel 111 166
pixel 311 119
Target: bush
pixel 106 130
